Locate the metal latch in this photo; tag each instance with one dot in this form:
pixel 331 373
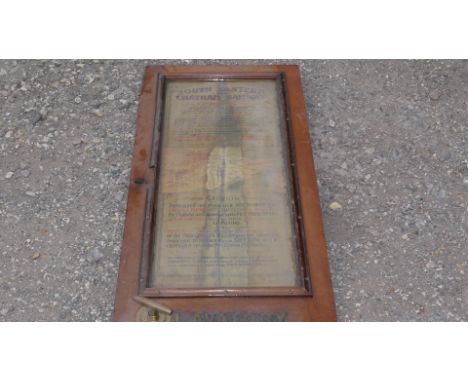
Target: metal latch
pixel 152 310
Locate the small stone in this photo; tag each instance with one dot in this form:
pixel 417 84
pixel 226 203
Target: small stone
pixel 331 123
pixel 111 97
pixel 445 155
pixel 97 112
pixel 335 206
pixel 30 193
pixel 5 311
pixel 95 255
pixel 35 117
pixel 431 265
pixel 119 196
pixel 25 173
pixel 35 255
pixel 78 141
pixel 96 103
pixel 8 134
pixel 123 104
pixel 77 99
pixel 9 174
pixel 434 95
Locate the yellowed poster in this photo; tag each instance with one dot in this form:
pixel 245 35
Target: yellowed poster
pixel 224 209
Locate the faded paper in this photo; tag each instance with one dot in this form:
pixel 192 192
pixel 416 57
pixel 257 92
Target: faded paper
pixel 224 208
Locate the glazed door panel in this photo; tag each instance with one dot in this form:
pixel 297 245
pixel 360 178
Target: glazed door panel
pixel 228 213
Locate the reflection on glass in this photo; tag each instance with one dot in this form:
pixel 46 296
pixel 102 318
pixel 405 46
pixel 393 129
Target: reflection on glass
pixel 224 209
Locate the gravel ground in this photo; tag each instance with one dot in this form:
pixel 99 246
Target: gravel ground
pixel 390 141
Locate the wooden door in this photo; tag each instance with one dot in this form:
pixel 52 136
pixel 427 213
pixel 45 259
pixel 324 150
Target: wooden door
pixel 223 218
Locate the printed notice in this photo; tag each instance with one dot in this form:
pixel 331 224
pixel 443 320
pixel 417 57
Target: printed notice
pixel 224 212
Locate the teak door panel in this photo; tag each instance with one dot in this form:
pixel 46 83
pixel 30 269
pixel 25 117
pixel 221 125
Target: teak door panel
pixel 223 218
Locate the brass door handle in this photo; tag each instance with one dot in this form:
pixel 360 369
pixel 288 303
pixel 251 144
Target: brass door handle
pixel 152 304
pixel 152 310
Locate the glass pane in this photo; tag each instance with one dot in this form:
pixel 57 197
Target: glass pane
pixel 224 209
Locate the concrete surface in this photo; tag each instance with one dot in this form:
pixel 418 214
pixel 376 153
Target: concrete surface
pixel 390 140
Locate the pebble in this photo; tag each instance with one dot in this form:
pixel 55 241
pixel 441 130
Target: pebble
pixel 25 173
pixel 9 174
pixel 111 97
pixel 35 117
pixel 8 134
pixel 30 193
pixel 97 112
pixel 119 196
pixel 335 206
pixel 77 99
pixel 35 255
pixel 95 255
pixel 78 141
pixel 435 95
